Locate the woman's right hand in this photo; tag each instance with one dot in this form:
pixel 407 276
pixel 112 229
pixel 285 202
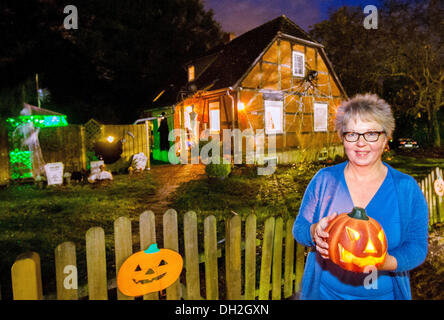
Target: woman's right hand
pixel 319 236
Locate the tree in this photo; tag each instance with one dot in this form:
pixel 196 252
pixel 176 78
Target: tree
pixel 402 60
pixel 120 56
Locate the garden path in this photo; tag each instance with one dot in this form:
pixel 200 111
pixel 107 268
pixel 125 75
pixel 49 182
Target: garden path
pixel 168 178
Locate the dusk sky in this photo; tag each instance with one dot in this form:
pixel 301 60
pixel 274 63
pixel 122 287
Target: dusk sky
pixel 239 16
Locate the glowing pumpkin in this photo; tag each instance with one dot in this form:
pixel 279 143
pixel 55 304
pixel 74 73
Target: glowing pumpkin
pixel 149 271
pixel 356 241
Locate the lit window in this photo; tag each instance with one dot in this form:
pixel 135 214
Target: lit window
pixel 320 116
pixel 298 64
pixel 214 116
pixel 191 73
pixel 274 116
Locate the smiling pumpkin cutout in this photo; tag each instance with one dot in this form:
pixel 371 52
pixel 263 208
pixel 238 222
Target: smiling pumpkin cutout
pixel 356 241
pixel 148 271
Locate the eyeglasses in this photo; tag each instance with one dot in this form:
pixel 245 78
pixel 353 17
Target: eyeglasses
pixel 371 136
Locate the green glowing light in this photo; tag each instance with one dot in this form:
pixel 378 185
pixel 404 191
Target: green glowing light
pixel 39 121
pixel 21 164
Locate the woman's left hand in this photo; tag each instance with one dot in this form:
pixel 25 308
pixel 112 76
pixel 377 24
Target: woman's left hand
pixel 390 264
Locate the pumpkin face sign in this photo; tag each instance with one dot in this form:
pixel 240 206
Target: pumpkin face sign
pixel 356 241
pixel 149 271
pixel 439 187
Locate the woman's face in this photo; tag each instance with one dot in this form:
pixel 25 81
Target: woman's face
pixel 362 152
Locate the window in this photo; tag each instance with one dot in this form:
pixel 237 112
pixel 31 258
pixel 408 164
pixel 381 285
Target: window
pixel 190 73
pixel 214 112
pixel 320 116
pixel 298 64
pixel 274 116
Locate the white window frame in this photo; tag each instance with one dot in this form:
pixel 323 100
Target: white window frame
pixel 279 105
pixel 214 125
pixel 320 116
pixel 293 64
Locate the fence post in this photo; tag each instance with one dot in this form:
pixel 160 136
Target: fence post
pixel 267 254
pixel 66 271
pixel 277 260
pixel 211 271
pixel 123 247
pixel 96 264
pixel 250 257
pixel 147 226
pixel 235 267
pixel 171 241
pixel 191 256
pixel 289 259
pixel 300 262
pixel 26 277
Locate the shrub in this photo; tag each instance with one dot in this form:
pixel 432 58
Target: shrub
pixel 220 170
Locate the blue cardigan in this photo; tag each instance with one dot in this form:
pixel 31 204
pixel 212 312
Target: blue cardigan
pixel 413 221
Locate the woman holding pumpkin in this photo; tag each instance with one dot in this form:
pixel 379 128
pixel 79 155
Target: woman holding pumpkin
pixel 371 187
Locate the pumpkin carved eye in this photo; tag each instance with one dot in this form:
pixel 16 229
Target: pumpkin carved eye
pixel 138 268
pixel 162 263
pixel 381 236
pixel 352 234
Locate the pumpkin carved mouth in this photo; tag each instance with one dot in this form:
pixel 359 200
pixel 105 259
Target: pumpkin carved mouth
pixel 346 256
pixel 144 281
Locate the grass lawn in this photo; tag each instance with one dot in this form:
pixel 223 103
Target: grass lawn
pixel 39 220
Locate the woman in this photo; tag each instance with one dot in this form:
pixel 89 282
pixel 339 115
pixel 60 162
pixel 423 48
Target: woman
pixel 365 124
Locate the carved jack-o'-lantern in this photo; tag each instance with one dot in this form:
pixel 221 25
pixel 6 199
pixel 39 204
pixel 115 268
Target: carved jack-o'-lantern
pixel 439 187
pixel 149 271
pixel 356 241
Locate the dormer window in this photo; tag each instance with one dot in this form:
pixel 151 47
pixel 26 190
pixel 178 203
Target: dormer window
pixel 298 64
pixel 190 73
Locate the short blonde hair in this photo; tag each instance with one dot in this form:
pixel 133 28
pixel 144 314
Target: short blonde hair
pixel 367 107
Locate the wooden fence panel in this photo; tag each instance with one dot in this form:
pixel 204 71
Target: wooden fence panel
pixel 289 259
pixel 66 271
pixel 211 270
pixel 171 241
pixel 4 156
pixel 26 277
pixel 191 256
pixel 96 264
pixel 235 267
pixel 276 293
pixel 267 255
pixel 123 247
pixel 147 226
pixel 250 257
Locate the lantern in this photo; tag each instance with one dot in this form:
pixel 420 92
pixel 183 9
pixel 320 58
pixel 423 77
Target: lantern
pixel 148 271
pixel 356 241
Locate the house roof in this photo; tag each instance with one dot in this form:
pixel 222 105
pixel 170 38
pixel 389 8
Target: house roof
pixel 235 58
pixel 225 65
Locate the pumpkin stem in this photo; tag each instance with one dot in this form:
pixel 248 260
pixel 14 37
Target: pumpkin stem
pixel 358 213
pixel 152 249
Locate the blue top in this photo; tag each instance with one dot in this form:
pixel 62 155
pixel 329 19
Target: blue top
pixel 406 229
